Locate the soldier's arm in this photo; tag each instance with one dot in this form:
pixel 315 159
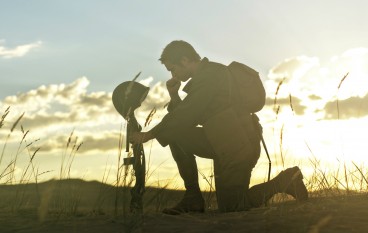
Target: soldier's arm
pixel 173 86
pixel 188 113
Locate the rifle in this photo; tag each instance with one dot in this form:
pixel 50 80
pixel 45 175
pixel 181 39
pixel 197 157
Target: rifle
pixel 127 97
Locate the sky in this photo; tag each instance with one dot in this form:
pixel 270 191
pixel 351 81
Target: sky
pixel 61 60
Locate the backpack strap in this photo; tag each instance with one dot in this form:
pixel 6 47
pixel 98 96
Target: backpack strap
pixel 260 135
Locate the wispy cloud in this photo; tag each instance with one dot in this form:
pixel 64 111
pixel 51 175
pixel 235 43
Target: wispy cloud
pixel 18 51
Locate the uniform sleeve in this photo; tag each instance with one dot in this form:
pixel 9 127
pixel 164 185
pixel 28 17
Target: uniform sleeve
pixel 172 105
pixel 189 112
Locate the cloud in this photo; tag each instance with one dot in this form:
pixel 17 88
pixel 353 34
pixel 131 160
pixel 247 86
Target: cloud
pixel 294 103
pixel 354 107
pixel 293 67
pixel 18 51
pixel 314 97
pixel 314 83
pixel 156 98
pixel 102 142
pixel 59 109
pixel 52 98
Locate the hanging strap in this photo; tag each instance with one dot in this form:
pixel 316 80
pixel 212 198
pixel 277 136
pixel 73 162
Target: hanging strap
pixel 260 135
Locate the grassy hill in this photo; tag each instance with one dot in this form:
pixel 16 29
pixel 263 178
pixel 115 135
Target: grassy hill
pixel 75 195
pixel 76 205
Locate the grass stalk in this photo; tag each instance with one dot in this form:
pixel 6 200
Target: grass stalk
pixel 7 138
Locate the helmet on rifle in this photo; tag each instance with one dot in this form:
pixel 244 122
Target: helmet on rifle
pixel 128 96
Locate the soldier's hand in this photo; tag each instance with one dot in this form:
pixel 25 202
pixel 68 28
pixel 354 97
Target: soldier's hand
pixel 173 86
pixel 140 137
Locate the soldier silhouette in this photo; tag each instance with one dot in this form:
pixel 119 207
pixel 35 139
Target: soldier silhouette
pixel 205 124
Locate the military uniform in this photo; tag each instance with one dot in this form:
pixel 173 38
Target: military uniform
pixel 205 124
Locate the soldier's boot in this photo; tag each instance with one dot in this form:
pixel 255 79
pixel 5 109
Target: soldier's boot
pixel 290 181
pixel 191 203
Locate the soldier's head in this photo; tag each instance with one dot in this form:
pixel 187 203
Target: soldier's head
pixel 181 59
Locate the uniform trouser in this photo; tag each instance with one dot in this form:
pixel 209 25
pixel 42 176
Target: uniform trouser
pixel 229 197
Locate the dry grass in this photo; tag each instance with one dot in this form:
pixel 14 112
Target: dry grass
pixel 338 213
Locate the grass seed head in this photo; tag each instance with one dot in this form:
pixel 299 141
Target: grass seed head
pixel 16 122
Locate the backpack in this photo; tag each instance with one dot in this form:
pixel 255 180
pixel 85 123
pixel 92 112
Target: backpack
pixel 246 89
pixel 247 94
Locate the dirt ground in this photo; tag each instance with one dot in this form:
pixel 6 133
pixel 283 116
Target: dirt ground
pixel 345 214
